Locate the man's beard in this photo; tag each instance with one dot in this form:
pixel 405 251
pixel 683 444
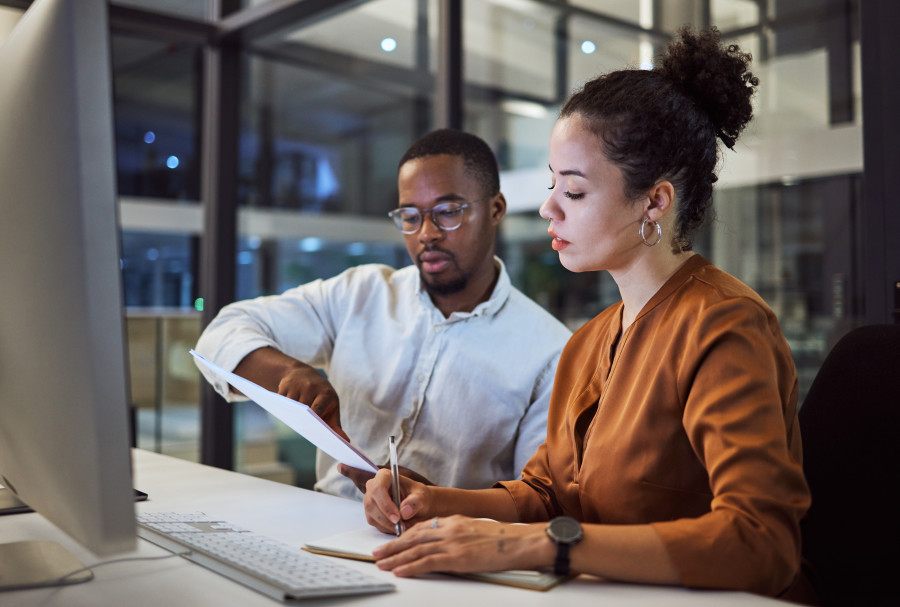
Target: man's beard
pixel 445 288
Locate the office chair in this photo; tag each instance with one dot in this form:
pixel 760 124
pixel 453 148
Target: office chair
pixel 850 428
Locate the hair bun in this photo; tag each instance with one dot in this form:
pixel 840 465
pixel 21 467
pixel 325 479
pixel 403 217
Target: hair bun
pixel 716 77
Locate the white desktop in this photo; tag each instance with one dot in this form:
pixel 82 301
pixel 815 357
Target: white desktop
pixel 295 516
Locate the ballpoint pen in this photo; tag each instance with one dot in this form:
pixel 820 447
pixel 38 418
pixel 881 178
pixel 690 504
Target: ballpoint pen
pixel 395 475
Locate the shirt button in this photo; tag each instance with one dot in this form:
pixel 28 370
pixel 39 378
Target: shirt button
pixel 438 329
pixel 421 378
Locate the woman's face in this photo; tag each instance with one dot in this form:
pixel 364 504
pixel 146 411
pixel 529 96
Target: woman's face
pixel 593 225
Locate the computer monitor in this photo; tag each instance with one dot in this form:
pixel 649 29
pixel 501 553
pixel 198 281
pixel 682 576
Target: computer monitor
pixel 64 431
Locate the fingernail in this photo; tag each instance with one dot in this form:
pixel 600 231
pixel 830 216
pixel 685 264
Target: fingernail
pixel 394 518
pixel 405 511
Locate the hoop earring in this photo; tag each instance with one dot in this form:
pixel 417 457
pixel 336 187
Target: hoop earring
pixel 658 232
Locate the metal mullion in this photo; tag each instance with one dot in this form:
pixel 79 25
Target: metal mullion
pixel 561 51
pixel 269 17
pixel 219 160
pixel 448 106
pixel 569 10
pixel 880 213
pixel 162 26
pixel 839 47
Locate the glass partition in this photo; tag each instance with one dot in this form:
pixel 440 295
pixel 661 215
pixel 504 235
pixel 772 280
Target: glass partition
pixel 329 106
pixel 793 172
pixel 156 104
pixel 187 8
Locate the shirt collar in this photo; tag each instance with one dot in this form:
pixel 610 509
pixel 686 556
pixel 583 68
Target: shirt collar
pixel 486 308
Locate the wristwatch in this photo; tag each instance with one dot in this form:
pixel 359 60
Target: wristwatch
pixel 566 532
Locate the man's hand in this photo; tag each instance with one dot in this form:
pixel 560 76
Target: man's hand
pixel 305 384
pixel 361 477
pixel 296 380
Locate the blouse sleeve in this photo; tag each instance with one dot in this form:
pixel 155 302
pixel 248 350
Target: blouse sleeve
pixel 534 493
pixel 740 392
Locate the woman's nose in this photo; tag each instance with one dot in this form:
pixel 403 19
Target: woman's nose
pixel 547 209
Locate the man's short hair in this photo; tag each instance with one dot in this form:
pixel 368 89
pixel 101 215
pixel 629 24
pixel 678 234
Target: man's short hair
pixel 477 156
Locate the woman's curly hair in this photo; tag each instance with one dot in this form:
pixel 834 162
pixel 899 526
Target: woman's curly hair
pixel 664 123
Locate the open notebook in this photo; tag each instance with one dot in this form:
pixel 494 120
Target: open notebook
pixel 359 543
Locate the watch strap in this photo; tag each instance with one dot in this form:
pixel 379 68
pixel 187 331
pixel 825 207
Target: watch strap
pixel 561 564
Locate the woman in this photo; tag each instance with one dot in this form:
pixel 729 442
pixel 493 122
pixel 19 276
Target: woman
pixel 672 435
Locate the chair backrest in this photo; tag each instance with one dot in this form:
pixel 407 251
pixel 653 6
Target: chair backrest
pixel 850 428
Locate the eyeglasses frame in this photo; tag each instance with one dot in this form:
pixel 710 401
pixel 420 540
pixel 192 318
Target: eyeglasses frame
pixel 430 212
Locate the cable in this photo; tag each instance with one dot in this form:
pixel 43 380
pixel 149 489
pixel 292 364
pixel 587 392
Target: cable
pixel 62 579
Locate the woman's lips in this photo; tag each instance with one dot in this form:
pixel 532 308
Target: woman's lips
pixel 557 243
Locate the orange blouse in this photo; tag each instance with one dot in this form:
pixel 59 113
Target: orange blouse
pixel 688 423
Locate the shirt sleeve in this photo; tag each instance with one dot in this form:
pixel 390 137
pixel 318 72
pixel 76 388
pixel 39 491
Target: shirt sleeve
pixel 739 389
pixel 301 322
pixel 536 493
pixel 533 425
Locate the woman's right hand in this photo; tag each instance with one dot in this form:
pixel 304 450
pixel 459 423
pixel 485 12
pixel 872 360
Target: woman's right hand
pixel 381 511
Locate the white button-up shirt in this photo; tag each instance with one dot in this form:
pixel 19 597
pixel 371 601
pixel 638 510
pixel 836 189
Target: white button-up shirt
pixel 466 396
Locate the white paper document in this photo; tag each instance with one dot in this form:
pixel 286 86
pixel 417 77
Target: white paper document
pixel 296 415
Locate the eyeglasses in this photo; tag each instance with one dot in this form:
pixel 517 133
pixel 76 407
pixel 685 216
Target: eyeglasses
pixel 447 216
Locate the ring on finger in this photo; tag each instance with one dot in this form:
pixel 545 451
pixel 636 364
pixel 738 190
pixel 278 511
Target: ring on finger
pixel 434 523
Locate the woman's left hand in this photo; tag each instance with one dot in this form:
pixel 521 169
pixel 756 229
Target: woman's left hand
pixel 462 544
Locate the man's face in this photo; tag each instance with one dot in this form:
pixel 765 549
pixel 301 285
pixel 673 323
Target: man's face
pixel 449 260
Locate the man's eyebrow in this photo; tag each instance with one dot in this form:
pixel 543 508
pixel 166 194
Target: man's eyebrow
pixel 438 200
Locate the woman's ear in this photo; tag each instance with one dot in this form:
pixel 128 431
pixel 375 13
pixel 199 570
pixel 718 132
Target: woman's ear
pixel 660 200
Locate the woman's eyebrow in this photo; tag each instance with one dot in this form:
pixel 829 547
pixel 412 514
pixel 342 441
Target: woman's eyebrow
pixel 568 172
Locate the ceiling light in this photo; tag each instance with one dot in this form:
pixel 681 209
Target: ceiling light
pixel 528 109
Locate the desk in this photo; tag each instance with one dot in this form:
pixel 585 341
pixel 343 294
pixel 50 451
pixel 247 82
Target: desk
pixel 292 515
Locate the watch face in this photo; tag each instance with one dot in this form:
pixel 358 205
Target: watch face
pixel 564 529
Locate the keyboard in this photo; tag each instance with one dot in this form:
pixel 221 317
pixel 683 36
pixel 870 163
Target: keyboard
pixel 259 562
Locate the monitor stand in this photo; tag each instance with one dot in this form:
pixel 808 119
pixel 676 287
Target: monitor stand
pixel 35 563
pixel 10 504
pixel 38 563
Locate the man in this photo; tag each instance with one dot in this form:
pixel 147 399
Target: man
pixel 444 354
